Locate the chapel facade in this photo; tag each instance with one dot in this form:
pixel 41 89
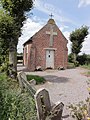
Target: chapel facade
pixel 46 49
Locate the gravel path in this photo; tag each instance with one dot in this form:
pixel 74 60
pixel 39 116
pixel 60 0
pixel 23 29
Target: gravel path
pixel 67 86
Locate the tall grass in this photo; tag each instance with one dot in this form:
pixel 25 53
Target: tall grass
pixel 15 105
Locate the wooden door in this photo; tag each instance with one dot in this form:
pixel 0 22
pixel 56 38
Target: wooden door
pixel 49 58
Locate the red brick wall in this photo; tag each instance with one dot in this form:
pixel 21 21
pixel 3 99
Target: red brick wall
pixel 40 41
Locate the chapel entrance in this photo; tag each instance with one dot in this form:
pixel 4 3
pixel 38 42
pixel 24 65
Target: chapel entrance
pixel 50 59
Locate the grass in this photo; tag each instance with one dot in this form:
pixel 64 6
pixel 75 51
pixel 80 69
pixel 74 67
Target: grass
pixel 38 79
pixel 88 73
pixel 86 66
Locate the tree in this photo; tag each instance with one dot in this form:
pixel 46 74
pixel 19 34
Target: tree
pixel 7 32
pixel 77 37
pixel 82 59
pixel 16 9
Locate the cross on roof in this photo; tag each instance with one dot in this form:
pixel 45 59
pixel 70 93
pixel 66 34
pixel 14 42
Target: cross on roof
pixel 51 15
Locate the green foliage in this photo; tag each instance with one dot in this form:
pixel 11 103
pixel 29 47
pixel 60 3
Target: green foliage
pixel 88 60
pixel 79 111
pixel 14 104
pixel 3 76
pixel 4 67
pixel 37 78
pixel 76 63
pixel 8 31
pixel 77 37
pixel 17 9
pixel 12 17
pixel 70 58
pixel 82 59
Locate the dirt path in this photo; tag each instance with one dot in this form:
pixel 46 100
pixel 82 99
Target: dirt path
pixel 67 86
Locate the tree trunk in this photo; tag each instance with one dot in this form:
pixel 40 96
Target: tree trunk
pixel 13 60
pixel 74 57
pixel 76 63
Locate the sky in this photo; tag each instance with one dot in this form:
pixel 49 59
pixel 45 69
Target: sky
pixel 68 15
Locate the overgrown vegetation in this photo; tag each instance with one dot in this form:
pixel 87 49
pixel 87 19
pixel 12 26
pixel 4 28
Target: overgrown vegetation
pixel 37 78
pixel 80 110
pixel 15 105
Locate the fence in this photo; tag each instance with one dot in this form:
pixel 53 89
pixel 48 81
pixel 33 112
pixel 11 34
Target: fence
pixel 43 104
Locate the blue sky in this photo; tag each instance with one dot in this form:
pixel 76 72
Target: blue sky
pixel 68 15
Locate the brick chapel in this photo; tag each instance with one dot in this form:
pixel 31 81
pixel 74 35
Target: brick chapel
pixel 46 49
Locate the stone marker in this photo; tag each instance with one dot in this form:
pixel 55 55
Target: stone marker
pixel 43 104
pixel 56 112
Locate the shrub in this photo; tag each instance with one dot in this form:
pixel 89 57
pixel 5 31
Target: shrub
pixel 80 110
pixel 82 59
pixel 70 65
pixel 37 78
pixel 15 105
pixel 4 67
pixel 76 63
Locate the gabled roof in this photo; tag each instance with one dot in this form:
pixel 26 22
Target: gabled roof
pixel 29 40
pixel 50 21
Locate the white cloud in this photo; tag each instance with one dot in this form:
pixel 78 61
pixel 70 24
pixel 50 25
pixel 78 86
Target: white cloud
pixel 67 34
pixel 30 28
pixel 83 3
pixel 49 8
pixel 86 45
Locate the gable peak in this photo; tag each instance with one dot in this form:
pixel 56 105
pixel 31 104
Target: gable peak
pixel 51 21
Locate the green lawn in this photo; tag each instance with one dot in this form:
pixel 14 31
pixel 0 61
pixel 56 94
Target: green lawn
pixel 38 79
